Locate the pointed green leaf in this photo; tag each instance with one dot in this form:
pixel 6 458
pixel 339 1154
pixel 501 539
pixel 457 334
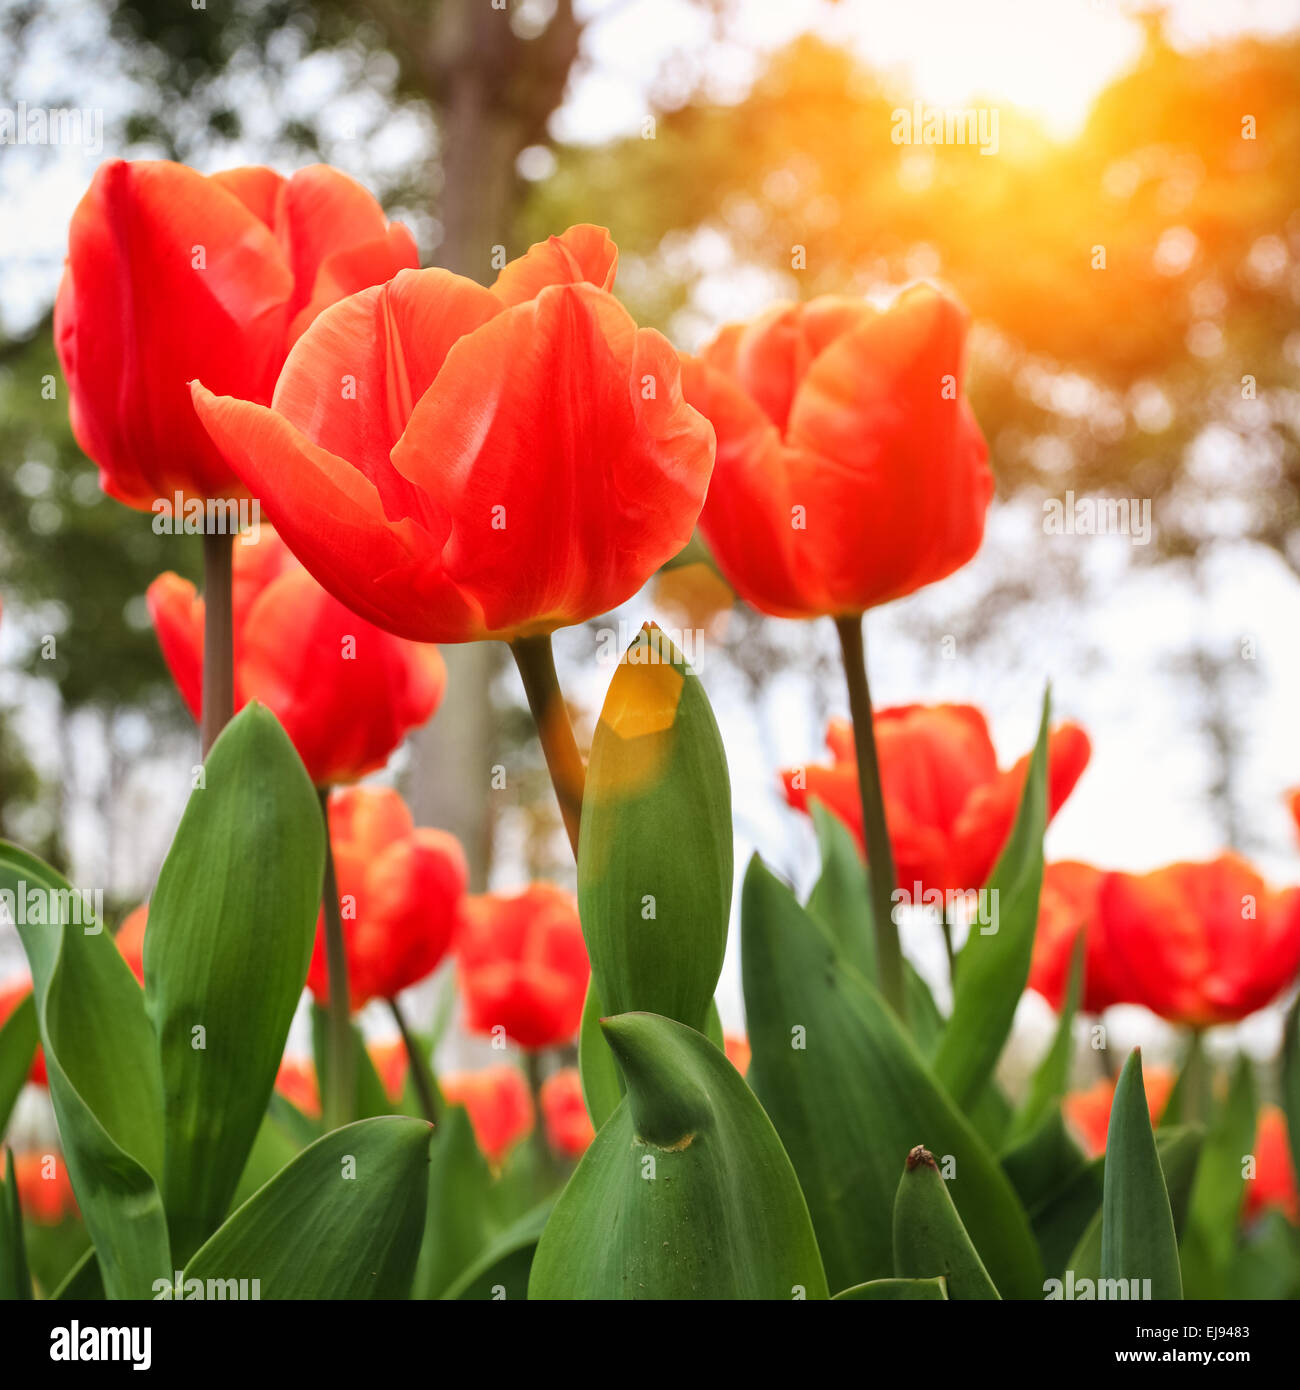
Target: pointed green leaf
pixel 460 1218
pixel 1138 1241
pixel 840 898
pixel 850 1096
pixel 19 1037
pixel 102 1064
pixel 929 1238
pixel 602 1082
pixel 655 849
pixel 894 1291
pixel 502 1271
pixel 15 1282
pixel 343 1220
pixel 1052 1075
pixel 685 1193
pixel 231 927
pixel 992 968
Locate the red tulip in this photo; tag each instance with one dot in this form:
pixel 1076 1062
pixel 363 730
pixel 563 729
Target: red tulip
pixel 523 965
pixel 12 993
pixel 456 462
pixel 44 1188
pixel 172 275
pixel 568 1126
pixel 296 1082
pixel 346 692
pixel 948 807
pixel 391 1062
pixel 1068 905
pixel 1274 1183
pixel 1087 1113
pixel 1200 944
pixel 499 1106
pixel 130 939
pixel 401 890
pixel 850 470
pixel 738 1051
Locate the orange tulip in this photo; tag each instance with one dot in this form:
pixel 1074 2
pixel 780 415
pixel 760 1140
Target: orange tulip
pixel 948 807
pixel 1200 944
pixel 12 993
pixel 130 939
pixel 850 470
pixel 1274 1185
pixel 1087 1113
pixel 456 462
pixel 523 965
pixel 400 890
pixel 568 1126
pixel 738 1051
pixel 296 1082
pixel 346 692
pixel 44 1188
pixel 391 1063
pixel 172 275
pixel 499 1106
pixel 1068 905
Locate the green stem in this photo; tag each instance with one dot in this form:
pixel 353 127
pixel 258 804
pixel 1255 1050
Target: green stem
pixel 536 663
pixel 426 1088
pixel 547 1165
pixel 338 1102
pixel 218 638
pixel 880 856
pixel 946 924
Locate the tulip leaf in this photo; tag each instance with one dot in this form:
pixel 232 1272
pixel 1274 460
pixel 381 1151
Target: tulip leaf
pixel 851 1095
pixel 342 1221
pixel 19 1038
pixel 1059 1187
pixel 1179 1148
pixel 1291 1080
pixel 459 1217
pixel 82 1283
pixel 992 968
pixel 841 898
pixel 655 849
pixel 15 1281
pixel 1052 1075
pixel 685 1192
pixel 894 1291
pixel 104 1080
pixel 231 927
pixel 370 1099
pixel 502 1271
pixel 1138 1241
pixel 602 1082
pixel 1210 1240
pixel 929 1238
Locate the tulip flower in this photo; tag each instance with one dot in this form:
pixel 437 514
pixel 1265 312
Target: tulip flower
pixel 1066 907
pixel 12 993
pixel 948 807
pixel 1200 943
pixel 44 1188
pixel 568 1126
pixel 346 692
pixel 1274 1185
pixel 130 939
pixel 499 1105
pixel 391 1063
pixel 401 890
pixel 850 471
pixel 296 1082
pixel 173 276
pixel 1087 1113
pixel 523 965
pixel 738 1051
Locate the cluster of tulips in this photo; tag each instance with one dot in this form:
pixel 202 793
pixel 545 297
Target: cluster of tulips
pixel 442 462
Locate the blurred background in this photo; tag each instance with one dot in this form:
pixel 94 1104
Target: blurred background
pixel 742 153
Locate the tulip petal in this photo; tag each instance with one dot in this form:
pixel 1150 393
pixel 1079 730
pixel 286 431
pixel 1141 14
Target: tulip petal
pixel 177 613
pixel 583 254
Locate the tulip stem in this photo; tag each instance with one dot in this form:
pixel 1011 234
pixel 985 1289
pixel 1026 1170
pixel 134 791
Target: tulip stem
pixel 426 1088
pixel 536 662
pixel 880 857
pixel 218 638
pixel 340 1079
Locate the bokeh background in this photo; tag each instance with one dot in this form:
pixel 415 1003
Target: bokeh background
pixel 717 138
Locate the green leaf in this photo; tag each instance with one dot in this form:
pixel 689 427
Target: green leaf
pixel 1210 1240
pixel 1060 1188
pixel 841 898
pixel 83 1283
pixel 602 1082
pixel 1189 1099
pixel 894 1291
pixel 1291 1080
pixel 102 1064
pixel 18 1041
pixel 1179 1148
pixel 371 1099
pixel 1052 1075
pixel 929 1238
pixel 15 1281
pixel 851 1096
pixel 685 1193
pixel 992 969
pixel 231 927
pixel 1138 1241
pixel 655 849
pixel 460 1218
pixel 342 1221
pixel 502 1271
